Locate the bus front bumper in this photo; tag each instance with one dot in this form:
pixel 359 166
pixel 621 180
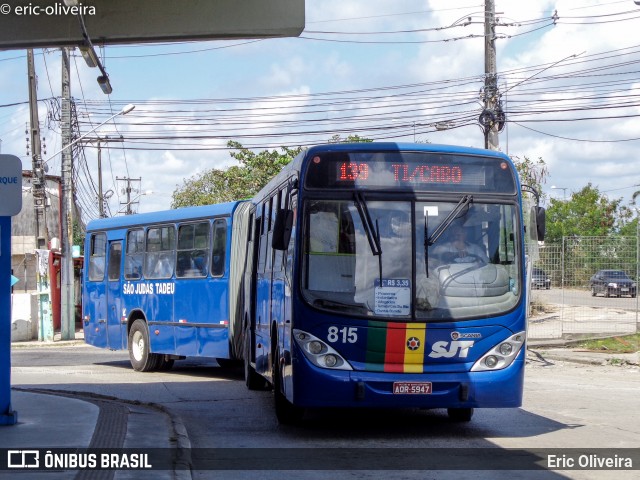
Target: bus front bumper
pixel 318 387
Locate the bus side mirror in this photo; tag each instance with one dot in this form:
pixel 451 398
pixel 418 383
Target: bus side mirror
pixel 541 222
pixel 282 229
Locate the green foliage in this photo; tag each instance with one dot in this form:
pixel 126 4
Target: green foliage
pixel 78 235
pixel 628 344
pixel 254 170
pixel 586 213
pixel 532 173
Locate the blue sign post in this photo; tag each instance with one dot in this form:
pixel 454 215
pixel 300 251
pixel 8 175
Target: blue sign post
pixel 10 204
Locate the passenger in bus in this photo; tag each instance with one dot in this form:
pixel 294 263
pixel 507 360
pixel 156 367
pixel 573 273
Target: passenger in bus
pixel 459 250
pixel 163 269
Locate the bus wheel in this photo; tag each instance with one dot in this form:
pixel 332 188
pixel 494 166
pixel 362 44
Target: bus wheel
pixel 460 414
pixel 251 377
pixel 286 412
pixel 142 360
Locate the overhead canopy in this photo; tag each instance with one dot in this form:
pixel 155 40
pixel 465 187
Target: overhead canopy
pixel 46 23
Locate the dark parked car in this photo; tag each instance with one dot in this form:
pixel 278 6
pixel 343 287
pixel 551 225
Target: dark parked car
pixel 539 279
pixel 612 283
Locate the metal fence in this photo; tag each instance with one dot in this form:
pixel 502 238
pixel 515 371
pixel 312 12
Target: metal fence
pixel 574 304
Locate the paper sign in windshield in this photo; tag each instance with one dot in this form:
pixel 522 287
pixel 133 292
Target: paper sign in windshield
pixel 393 297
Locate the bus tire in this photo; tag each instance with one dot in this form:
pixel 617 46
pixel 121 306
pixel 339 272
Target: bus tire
pixel 252 380
pixel 140 356
pixel 460 414
pixel 286 412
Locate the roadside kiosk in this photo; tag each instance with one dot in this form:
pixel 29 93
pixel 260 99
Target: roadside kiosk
pixel 10 205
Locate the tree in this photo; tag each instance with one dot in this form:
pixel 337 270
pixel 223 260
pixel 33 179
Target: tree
pixel 586 213
pixel 532 173
pixel 244 180
pixel 254 170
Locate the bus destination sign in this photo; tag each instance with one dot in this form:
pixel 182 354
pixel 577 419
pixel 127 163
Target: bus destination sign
pixel 416 171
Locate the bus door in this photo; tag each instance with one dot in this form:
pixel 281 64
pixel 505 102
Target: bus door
pixel 94 297
pixel 277 273
pixel 263 291
pixel 282 287
pixel 250 281
pixel 114 296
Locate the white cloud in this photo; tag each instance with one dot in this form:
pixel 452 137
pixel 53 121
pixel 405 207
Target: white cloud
pixel 288 67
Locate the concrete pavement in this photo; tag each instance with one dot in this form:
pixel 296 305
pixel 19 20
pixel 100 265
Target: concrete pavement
pixel 56 419
pixel 51 419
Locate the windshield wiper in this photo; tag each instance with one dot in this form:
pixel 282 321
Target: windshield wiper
pixel 334 305
pixel 372 232
pixel 426 243
pixel 464 202
pixel 369 229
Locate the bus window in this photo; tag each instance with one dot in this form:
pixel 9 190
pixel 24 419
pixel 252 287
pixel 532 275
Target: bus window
pixel 268 249
pixel 193 250
pixel 160 252
pixel 97 257
pixel 331 248
pixel 115 259
pixel 134 255
pixel 219 248
pixel 264 232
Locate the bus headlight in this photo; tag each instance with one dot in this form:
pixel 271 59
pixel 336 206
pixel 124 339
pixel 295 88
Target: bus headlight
pixel 502 355
pixel 330 360
pixel 315 347
pixel 318 352
pixel 491 361
pixel 505 349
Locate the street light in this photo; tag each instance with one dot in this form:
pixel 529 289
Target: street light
pixel 135 199
pixel 124 111
pixel 67 315
pixel 564 191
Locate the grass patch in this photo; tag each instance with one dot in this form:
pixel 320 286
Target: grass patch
pixel 628 344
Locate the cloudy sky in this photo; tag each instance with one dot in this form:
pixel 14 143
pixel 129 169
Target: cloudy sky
pixel 396 70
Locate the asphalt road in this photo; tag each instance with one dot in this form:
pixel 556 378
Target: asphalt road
pixel 582 297
pixel 566 405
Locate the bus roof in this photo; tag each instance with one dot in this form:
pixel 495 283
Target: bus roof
pixel 297 162
pixel 164 216
pixel 392 146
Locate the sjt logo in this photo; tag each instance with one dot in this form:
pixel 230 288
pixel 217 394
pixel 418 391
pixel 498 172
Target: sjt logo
pixel 443 350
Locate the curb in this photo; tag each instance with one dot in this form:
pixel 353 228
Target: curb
pixel 588 358
pixel 182 463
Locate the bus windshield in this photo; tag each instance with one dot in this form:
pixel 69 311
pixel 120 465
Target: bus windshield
pixel 468 269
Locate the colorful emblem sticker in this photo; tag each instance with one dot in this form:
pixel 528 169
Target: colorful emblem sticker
pixel 413 343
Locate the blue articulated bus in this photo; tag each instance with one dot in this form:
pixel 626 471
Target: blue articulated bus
pixel 362 275
pixel 166 285
pixel 388 275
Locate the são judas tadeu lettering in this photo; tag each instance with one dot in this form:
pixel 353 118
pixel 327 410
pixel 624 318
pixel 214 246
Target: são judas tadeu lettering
pixel 149 288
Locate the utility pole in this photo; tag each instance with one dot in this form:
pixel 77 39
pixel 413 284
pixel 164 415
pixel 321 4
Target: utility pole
pixel 39 189
pixel 67 311
pixel 492 116
pixel 101 198
pixel 99 141
pixel 39 177
pixel 128 189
